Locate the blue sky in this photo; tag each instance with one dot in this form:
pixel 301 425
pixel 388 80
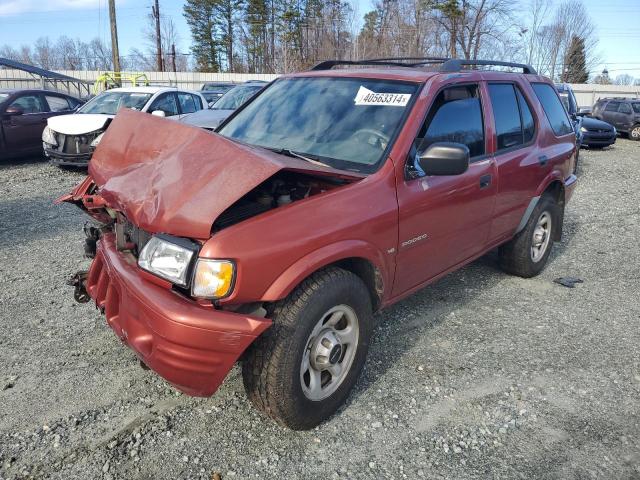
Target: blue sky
pixel 23 21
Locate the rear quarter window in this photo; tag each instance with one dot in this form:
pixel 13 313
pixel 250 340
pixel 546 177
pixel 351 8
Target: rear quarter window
pixel 553 109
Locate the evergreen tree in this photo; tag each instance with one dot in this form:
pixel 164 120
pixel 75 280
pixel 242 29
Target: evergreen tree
pixel 201 18
pixel 575 62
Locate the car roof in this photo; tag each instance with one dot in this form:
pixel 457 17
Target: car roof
pixel 151 90
pixel 39 90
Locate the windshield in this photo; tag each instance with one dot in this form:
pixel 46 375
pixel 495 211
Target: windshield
pixel 217 88
pixel 235 97
pixel 346 123
pixel 109 103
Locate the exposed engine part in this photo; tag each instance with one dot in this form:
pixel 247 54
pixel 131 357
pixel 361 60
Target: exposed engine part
pixel 278 191
pixel 90 243
pixel 78 282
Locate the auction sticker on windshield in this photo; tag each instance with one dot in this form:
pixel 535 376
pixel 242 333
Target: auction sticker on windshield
pixel 368 97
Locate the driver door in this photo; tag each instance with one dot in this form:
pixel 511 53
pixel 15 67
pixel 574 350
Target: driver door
pixel 23 133
pixel 445 220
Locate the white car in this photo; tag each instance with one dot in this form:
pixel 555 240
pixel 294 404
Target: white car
pixel 71 139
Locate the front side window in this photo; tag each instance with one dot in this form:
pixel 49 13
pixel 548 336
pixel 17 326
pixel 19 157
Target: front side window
pixel 553 109
pixel 29 104
pixel 108 103
pixel 165 103
pixel 346 123
pixel 57 104
pixel 612 107
pixel 455 116
pixel 187 103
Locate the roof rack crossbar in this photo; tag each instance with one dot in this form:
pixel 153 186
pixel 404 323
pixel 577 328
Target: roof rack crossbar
pixel 456 64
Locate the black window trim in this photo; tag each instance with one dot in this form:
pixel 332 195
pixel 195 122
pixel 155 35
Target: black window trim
pixel 472 160
pixel 533 114
pixel 573 131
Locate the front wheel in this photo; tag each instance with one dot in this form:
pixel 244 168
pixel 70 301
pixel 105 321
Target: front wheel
pixel 527 253
pixel 302 369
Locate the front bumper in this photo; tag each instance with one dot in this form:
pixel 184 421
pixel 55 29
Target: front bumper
pixel 68 159
pixel 191 346
pixel 599 139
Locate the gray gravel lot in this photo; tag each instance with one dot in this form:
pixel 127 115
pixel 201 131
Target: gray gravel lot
pixel 481 375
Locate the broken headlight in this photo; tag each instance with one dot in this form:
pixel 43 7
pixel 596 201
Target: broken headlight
pixel 212 278
pixel 96 141
pixel 168 258
pixel 48 136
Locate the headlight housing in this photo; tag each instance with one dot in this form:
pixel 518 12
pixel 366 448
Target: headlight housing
pixel 48 136
pixel 583 130
pixel 212 278
pixel 96 140
pixel 168 258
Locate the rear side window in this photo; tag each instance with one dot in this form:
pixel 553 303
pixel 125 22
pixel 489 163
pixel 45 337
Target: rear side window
pixel 506 114
pixel 455 116
pixel 553 109
pixel 528 124
pixel 612 107
pixel 57 104
pixel 636 107
pixel 198 101
pixel 625 108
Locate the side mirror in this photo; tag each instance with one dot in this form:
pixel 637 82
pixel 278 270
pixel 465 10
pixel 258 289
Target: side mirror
pixel 444 158
pixel 159 113
pixel 14 110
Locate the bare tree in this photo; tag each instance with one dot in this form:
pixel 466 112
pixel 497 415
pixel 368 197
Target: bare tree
pixel 624 79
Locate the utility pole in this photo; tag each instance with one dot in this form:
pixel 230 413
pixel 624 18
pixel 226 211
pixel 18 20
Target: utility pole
pixel 156 14
pixel 173 57
pixel 114 36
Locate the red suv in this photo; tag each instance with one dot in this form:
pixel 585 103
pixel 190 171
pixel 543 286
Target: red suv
pixel 330 195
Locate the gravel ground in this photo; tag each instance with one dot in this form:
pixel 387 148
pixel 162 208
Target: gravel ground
pixel 481 375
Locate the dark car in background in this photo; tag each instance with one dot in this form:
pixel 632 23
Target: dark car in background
pixel 590 132
pixel 212 91
pixel 23 116
pixel 228 103
pixel 623 113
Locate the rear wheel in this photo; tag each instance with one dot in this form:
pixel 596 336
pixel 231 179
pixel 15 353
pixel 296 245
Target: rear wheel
pixel 302 369
pixel 527 253
pixel 634 133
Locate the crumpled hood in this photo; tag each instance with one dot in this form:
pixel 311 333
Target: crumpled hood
pixel 78 123
pixel 173 178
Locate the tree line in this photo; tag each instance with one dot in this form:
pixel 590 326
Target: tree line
pixel 279 36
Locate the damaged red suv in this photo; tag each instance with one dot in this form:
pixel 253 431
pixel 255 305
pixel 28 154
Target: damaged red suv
pixel 330 195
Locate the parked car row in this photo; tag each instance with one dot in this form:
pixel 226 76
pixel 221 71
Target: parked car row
pixel 68 132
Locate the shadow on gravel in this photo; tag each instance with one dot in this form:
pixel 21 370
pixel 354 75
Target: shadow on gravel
pixel 21 161
pixel 35 218
pixel 412 318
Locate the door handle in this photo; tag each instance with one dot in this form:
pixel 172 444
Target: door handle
pixel 485 181
pixel 543 159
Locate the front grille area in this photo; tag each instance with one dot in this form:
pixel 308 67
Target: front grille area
pixel 76 144
pixel 129 237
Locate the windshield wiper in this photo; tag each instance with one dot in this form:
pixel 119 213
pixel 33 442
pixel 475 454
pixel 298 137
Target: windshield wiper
pixel 307 157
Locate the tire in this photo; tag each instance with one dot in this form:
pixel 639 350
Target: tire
pixel 517 256
pixel 634 133
pixel 281 367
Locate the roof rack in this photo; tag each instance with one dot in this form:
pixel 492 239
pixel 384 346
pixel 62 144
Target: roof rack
pixel 448 64
pixel 456 64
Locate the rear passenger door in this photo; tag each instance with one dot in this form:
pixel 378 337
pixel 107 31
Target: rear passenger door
pixel 445 220
pixel 624 117
pixel 610 113
pixel 520 165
